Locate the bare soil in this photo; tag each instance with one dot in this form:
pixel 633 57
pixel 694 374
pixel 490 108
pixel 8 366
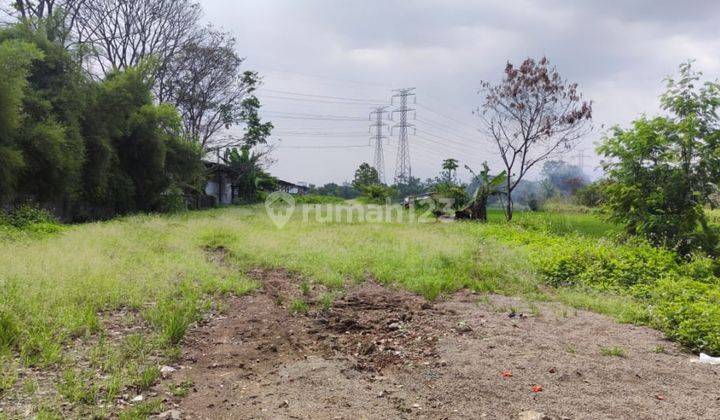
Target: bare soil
pixel 385 353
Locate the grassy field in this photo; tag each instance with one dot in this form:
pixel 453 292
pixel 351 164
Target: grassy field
pixel 64 294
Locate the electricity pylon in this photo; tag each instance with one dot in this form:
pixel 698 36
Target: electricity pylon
pixel 403 169
pixel 377 129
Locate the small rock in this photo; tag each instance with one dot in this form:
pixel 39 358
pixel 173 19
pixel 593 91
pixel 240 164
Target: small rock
pixel 170 414
pixel 394 326
pixel 166 370
pixel 137 398
pixel 463 327
pixel 532 415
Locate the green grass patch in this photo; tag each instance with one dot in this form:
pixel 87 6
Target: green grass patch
pixel 613 351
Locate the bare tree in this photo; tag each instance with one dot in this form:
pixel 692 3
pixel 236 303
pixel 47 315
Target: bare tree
pixel 532 115
pixel 203 80
pixel 122 33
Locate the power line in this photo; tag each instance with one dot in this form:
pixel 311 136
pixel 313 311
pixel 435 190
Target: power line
pixel 286 92
pixel 456 143
pixel 313 76
pixel 324 147
pixel 448 117
pixel 458 132
pixel 314 118
pixel 305 114
pixel 323 101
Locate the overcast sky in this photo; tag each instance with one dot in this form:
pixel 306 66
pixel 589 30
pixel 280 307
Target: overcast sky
pixel 618 51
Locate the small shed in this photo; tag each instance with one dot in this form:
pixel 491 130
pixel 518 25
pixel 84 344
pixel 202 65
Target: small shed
pixel 292 188
pixel 220 183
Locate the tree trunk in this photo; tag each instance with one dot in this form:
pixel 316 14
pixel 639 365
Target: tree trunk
pixel 477 210
pixel 481 210
pixel 509 208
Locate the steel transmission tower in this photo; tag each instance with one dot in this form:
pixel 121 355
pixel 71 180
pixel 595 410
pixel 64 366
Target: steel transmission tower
pixel 377 128
pixel 403 170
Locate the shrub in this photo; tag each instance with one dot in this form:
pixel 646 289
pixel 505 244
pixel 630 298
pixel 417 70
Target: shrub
pixel 26 215
pixel 377 194
pixel 591 195
pixel 452 192
pixel 681 296
pixel 172 200
pixel 687 311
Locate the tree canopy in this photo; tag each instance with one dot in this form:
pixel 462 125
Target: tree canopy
pixel 663 170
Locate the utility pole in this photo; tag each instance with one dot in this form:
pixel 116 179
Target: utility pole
pixel 403 170
pixel 376 129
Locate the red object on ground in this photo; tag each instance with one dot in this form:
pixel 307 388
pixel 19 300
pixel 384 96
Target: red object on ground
pixel 537 388
pixel 660 397
pixel 506 374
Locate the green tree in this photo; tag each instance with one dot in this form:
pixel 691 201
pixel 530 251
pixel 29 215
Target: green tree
pixel 449 167
pixel 365 176
pixel 251 178
pixel 15 60
pixel 411 186
pixel 662 171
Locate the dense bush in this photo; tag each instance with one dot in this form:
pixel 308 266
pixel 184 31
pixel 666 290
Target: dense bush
pixel 681 296
pixel 450 191
pixel 591 195
pixel 84 147
pixel 376 194
pixel 26 215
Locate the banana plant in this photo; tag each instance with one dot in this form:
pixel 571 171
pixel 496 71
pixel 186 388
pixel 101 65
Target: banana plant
pixel 488 186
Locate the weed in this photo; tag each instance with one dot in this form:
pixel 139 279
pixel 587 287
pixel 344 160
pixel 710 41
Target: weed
pixel 9 331
pixel 173 354
pixel 614 351
pixel 299 306
pixel 30 386
pixel 77 388
pixel 45 412
pixel 305 287
pixel 570 349
pixel 143 410
pixel 660 349
pixel 326 301
pixel 8 374
pixel 485 300
pixel 181 389
pixel 147 378
pixel 534 310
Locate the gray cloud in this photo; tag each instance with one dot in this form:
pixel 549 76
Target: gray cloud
pixel 619 52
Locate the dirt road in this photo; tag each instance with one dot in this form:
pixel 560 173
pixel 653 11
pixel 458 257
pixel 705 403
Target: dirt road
pixel 382 353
